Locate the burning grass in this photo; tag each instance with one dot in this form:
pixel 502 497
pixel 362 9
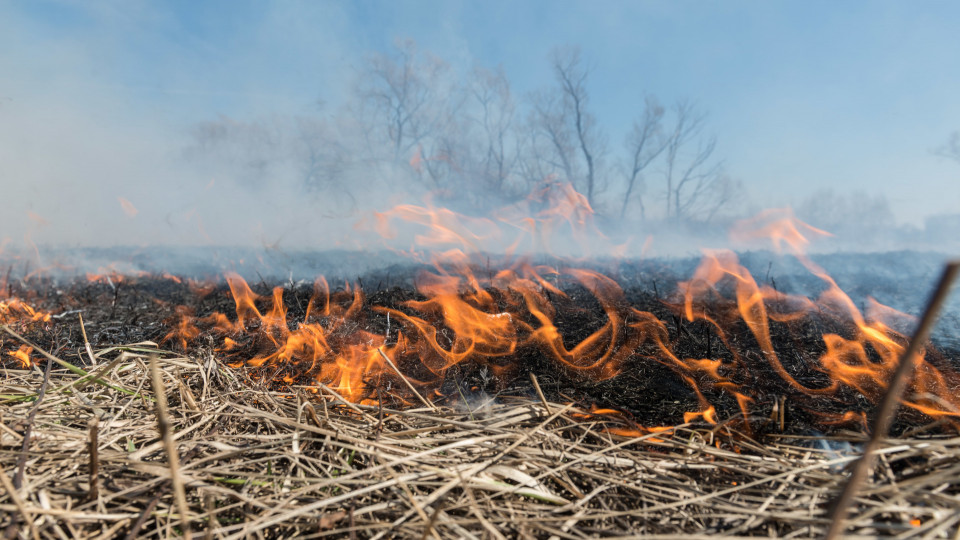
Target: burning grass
pixel 517 401
pixel 257 462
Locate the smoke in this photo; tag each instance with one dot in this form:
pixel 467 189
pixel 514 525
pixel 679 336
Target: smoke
pixel 96 112
pixel 263 128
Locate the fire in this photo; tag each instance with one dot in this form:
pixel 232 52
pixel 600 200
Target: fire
pixel 128 208
pixel 325 346
pixel 22 355
pixel 553 219
pixel 184 331
pixel 443 227
pixel 487 319
pixel 14 310
pixel 778 226
pixel 112 276
pixel 862 361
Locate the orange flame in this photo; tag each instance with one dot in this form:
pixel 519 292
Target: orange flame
pixel 537 222
pixel 489 318
pixel 128 208
pixel 23 356
pixel 779 226
pixel 14 310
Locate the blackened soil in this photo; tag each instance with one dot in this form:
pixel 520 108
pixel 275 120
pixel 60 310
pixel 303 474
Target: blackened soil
pixel 648 389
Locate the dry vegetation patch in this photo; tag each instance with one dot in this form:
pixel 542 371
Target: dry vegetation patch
pixel 82 456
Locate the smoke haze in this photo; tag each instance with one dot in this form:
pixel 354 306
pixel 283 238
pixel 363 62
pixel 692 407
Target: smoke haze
pixel 142 124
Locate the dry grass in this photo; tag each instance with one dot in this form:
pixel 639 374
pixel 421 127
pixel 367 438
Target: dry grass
pixel 256 462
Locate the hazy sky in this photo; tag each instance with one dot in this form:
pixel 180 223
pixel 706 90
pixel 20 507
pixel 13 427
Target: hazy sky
pixel 97 97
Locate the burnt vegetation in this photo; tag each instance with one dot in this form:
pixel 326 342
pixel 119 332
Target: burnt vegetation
pixel 268 450
pixel 652 392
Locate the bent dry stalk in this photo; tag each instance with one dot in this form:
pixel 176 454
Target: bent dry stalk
pixel 888 407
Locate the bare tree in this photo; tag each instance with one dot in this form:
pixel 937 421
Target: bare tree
pixel 644 144
pixel 548 123
pixel 692 176
pixel 414 119
pixel 322 158
pixel 490 90
pixel 565 136
pixel 250 151
pixel 303 150
pixel 538 158
pixel 405 98
pixel 572 76
pixel 723 193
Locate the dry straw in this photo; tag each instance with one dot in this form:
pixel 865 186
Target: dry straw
pixel 260 462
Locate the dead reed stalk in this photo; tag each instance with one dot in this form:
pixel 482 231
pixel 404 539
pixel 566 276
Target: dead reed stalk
pixel 512 470
pixel 884 415
pixel 173 459
pixel 93 445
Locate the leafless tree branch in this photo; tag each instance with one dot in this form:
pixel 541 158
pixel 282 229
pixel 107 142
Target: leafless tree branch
pixel 644 144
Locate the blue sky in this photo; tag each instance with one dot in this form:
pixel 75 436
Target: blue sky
pixel 802 95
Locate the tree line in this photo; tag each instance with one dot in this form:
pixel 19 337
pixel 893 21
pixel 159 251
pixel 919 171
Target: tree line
pixel 468 139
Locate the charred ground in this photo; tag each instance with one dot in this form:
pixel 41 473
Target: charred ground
pixel 122 310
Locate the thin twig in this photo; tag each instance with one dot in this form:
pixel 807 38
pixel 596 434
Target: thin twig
pixel 95 376
pixel 428 530
pixel 211 519
pixel 342 401
pixel 147 512
pixel 173 460
pixel 536 386
pixel 407 381
pixel 86 342
pixel 24 513
pixel 25 447
pixel 93 443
